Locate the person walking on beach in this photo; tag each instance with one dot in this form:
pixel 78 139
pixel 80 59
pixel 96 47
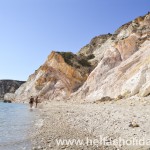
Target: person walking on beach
pixel 36 101
pixel 31 102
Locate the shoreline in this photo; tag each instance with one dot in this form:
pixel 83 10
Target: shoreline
pixel 16 123
pixel 80 121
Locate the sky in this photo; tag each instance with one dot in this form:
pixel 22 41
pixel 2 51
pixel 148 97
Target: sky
pixel 31 29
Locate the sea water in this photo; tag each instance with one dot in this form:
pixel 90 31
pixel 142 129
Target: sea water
pixel 16 122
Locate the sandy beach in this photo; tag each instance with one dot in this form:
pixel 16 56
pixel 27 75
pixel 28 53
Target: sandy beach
pixel 85 125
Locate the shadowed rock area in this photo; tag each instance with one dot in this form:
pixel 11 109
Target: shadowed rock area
pixel 9 86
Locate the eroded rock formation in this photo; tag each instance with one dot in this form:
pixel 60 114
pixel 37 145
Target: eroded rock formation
pixel 57 78
pixel 124 66
pixel 112 65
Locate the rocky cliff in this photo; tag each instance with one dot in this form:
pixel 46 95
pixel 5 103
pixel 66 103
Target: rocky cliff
pixel 114 65
pixel 123 68
pixel 61 75
pixel 8 86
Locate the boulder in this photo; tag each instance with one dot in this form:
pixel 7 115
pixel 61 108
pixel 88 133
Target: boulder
pixel 9 97
pixel 7 101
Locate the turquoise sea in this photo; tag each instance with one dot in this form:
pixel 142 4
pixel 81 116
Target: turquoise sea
pixel 16 123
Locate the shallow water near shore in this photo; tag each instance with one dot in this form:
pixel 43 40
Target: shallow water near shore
pixel 16 123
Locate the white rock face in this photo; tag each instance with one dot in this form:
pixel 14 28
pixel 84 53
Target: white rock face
pixel 133 85
pixel 145 90
pixel 124 67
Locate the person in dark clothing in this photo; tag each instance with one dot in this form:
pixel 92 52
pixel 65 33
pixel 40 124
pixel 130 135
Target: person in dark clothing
pixel 31 102
pixel 36 101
